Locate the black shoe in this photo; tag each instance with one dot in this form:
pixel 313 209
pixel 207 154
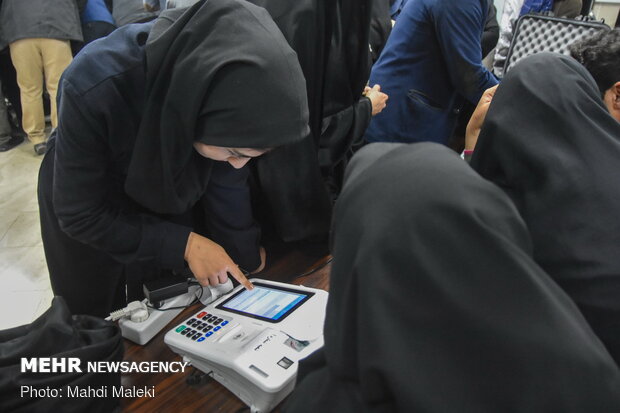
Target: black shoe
pixel 40 148
pixel 11 143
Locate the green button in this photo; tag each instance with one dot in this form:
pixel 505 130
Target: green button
pixel 180 328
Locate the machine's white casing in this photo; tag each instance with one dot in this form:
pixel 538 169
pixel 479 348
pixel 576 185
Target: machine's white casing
pixel 244 358
pixel 142 332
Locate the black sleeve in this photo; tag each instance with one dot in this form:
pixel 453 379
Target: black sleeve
pixel 342 131
pixel 86 208
pixel 342 134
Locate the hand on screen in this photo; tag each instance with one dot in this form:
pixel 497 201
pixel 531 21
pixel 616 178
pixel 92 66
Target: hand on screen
pixel 210 263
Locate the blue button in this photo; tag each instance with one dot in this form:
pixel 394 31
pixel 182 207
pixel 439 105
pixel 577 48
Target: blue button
pixel 200 339
pixel 209 334
pixel 224 323
pixel 217 328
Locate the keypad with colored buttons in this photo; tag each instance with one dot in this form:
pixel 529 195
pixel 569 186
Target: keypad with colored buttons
pixel 203 325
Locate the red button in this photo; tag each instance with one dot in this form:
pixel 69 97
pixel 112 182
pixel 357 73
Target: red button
pixel 202 314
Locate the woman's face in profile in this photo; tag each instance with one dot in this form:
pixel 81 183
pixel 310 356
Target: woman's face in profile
pixel 237 157
pixel 612 100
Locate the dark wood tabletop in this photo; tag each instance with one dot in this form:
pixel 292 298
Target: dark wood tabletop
pixel 173 394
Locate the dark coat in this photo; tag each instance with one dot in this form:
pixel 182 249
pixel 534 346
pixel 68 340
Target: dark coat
pixel 49 19
pixel 432 60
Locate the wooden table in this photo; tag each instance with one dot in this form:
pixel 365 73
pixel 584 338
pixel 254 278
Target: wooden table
pixel 172 393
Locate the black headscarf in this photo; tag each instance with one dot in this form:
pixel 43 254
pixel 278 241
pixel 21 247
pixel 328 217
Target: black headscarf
pixel 550 143
pixel 223 74
pixel 437 306
pixel 331 40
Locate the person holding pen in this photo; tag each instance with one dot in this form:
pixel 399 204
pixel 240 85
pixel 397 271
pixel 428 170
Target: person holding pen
pixel 146 173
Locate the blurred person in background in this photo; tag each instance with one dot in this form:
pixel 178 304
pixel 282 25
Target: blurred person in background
pixel 39 33
pixel 8 139
pixel 431 63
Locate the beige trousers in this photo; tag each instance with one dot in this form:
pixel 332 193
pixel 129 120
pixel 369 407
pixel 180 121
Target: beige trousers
pixel 34 60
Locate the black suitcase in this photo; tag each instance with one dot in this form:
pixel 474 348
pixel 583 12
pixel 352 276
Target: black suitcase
pixel 536 33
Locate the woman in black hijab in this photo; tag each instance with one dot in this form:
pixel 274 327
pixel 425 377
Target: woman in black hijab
pixel 436 304
pixel 550 143
pixel 144 114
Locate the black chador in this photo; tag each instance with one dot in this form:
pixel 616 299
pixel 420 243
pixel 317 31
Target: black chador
pixel 549 141
pixel 436 304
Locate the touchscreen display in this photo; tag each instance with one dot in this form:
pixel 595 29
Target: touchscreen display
pixel 266 302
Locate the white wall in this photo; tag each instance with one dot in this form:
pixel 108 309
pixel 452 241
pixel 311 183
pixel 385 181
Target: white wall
pixel 607 10
pixel 603 9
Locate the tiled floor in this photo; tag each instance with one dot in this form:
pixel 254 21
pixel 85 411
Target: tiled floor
pixel 25 291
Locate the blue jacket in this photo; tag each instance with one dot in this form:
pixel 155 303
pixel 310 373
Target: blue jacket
pixel 536 6
pixel 97 11
pixel 432 60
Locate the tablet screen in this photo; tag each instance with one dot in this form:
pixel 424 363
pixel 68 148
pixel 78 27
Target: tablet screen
pixel 266 302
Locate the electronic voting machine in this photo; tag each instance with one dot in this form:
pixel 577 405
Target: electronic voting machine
pixel 251 341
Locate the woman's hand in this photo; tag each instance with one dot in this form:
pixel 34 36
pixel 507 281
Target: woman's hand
pixel 377 98
pixel 477 118
pixel 210 263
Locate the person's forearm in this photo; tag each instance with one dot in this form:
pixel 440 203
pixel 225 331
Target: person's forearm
pixel 126 237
